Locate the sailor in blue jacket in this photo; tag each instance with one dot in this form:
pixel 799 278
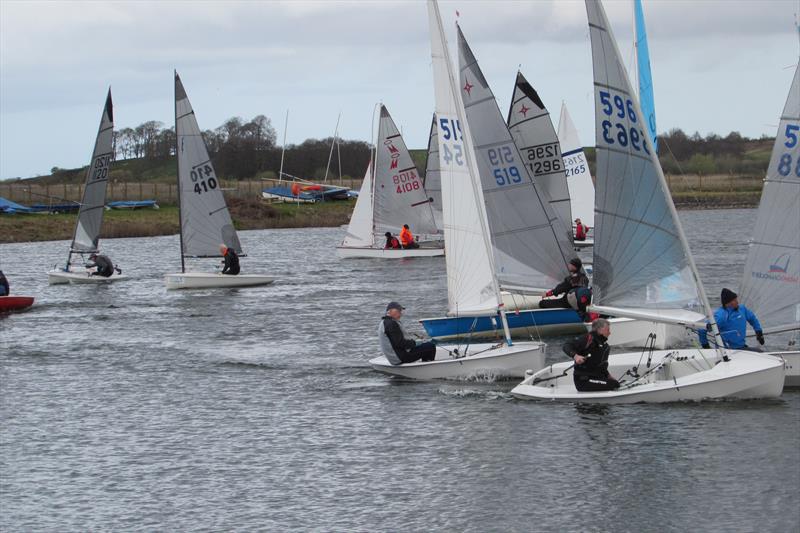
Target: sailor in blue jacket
pixel 732 320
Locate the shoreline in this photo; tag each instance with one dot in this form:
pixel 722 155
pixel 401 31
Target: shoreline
pixel 250 215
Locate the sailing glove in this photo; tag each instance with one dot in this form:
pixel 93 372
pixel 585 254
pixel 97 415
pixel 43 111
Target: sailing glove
pixel 760 337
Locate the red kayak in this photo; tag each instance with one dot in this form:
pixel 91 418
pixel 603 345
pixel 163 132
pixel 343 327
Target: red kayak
pixel 15 303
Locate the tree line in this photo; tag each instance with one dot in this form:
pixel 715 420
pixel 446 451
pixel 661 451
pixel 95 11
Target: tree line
pixel 243 149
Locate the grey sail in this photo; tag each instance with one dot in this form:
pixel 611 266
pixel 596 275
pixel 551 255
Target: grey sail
pixel 90 214
pixel 641 259
pixel 205 220
pixel 771 284
pixel 533 132
pixel 531 248
pixel 433 175
pixel 399 194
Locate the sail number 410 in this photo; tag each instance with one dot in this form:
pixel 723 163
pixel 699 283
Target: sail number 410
pixel 203 178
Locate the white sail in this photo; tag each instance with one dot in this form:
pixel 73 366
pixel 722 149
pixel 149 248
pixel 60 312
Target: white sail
pixel 771 285
pixel 531 247
pixel 205 220
pixel 579 179
pixel 433 179
pixel 90 214
pixel 471 285
pixel 359 231
pixel 533 132
pixel 400 196
pixel 641 258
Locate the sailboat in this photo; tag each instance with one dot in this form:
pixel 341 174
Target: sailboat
pixel 579 179
pixel 644 76
pixel 771 284
pixel 643 266
pixel 392 194
pixel 205 220
pixel 472 285
pixel 86 237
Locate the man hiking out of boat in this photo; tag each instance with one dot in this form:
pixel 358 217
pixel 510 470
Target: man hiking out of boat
pixel 230 260
pixel 391 241
pixel 580 230
pixel 406 238
pixel 590 354
pixel 395 342
pixel 102 265
pixel 5 290
pixel 574 288
pixel 732 319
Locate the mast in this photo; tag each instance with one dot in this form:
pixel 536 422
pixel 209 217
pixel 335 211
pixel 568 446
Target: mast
pixel 330 155
pixel 283 148
pixel 178 172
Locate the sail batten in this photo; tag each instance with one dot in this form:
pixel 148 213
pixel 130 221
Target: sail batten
pixel 205 220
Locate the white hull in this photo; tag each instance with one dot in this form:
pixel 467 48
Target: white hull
pixel 679 378
pixel 500 362
pixel 288 199
pixel 59 277
pixel 589 242
pixel 381 253
pixel 214 280
pixel 792 366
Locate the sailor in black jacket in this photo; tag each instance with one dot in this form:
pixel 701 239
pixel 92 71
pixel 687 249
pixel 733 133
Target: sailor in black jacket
pixel 590 353
pixel 574 288
pixel 394 341
pixel 102 265
pixel 230 260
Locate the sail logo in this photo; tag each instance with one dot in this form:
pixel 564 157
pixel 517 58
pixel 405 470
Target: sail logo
pixel 776 266
pixel 778 270
pixel 394 153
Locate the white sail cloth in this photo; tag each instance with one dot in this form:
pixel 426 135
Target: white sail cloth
pixel 359 231
pixel 579 179
pixel 399 194
pixel 533 132
pixel 433 179
pixel 205 220
pixel 771 284
pixel 531 248
pixel 471 285
pixel 641 259
pixel 90 213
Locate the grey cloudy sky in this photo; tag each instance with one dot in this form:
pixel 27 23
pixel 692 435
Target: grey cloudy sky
pixel 718 66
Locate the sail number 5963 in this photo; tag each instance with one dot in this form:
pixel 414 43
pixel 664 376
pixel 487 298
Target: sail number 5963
pixel 615 130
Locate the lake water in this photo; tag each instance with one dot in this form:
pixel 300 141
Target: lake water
pixel 128 407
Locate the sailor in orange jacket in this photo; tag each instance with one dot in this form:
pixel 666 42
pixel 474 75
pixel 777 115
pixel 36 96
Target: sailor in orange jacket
pixel 406 238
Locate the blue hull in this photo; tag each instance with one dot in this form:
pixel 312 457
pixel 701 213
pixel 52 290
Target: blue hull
pixel 522 323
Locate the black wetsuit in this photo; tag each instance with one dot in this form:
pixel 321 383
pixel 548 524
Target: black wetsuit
pixel 231 263
pixel 4 288
pixel 406 349
pixel 104 266
pixel 577 283
pixel 593 374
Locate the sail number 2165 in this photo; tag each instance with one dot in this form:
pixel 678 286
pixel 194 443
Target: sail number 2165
pixel 203 178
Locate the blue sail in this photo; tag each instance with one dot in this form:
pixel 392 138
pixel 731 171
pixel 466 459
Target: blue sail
pixel 645 77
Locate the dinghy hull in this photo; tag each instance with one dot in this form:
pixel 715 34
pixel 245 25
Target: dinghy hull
pixel 747 375
pixel 380 253
pixel 520 323
pixel 482 362
pixel 60 277
pixel 213 280
pixel 15 303
pixel 792 366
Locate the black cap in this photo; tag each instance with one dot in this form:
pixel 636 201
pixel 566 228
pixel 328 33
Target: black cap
pixel 405 226
pixel 727 296
pixel 394 305
pixel 576 262
pixel 388 234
